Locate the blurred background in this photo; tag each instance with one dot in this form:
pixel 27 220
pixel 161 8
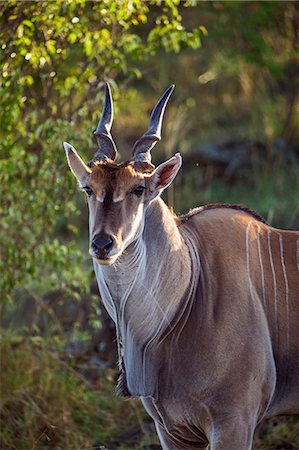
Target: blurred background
pixel 233 117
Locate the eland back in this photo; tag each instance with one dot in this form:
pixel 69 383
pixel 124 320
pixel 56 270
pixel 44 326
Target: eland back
pixel 206 305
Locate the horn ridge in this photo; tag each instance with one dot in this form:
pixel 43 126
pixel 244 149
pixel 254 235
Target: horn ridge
pixel 144 145
pixel 158 113
pixel 107 147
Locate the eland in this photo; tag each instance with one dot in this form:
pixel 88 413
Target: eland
pixel 205 305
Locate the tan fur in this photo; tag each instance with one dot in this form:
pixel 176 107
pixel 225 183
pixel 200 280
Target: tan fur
pixel 120 179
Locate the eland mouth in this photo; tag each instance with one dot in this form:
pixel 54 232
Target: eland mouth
pixel 105 260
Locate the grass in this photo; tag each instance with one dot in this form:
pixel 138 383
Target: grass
pixel 46 404
pixel 278 433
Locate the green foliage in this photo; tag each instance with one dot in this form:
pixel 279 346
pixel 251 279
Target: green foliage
pixel 49 47
pixel 34 195
pixel 54 58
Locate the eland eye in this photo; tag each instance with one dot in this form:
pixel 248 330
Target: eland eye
pixel 138 191
pixel 87 190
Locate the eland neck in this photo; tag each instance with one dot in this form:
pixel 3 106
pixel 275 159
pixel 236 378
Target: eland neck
pixel 147 289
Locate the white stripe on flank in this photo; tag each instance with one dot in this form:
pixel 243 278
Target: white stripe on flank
pixel 273 273
pixel 247 257
pixel 261 264
pixel 286 285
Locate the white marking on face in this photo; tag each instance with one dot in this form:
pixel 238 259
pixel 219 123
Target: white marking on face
pixel 248 257
pixel 286 285
pixel 118 197
pixel 100 198
pixel 261 264
pixel 273 273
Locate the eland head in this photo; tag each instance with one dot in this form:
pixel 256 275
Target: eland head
pixel 119 193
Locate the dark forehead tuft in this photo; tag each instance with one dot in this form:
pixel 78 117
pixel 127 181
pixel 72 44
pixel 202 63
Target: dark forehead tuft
pixel 111 174
pixel 111 168
pixel 110 165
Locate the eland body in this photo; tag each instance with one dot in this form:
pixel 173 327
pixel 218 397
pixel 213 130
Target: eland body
pixel 206 305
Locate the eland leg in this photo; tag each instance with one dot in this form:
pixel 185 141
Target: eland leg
pixel 232 436
pixel 169 442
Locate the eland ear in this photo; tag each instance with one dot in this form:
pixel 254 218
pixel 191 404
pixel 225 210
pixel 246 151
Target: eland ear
pixel 164 174
pixel 77 165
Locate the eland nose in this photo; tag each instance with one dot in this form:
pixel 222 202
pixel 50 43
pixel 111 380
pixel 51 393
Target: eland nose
pixel 101 245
